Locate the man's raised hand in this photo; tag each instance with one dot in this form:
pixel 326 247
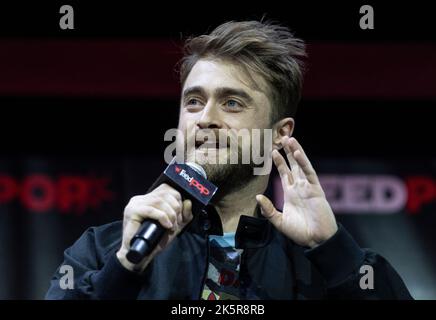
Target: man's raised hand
pixel 307 217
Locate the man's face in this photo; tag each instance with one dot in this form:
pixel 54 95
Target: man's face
pixel 220 95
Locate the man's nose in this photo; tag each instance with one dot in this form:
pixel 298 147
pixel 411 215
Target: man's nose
pixel 210 118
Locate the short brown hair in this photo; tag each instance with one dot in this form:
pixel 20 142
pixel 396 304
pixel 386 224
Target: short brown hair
pixel 269 49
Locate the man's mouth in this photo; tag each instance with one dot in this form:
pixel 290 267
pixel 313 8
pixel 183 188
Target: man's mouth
pixel 209 145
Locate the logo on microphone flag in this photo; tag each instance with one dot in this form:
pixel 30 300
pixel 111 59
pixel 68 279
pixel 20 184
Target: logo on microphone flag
pixel 191 181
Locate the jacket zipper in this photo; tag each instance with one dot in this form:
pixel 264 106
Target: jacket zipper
pixel 203 282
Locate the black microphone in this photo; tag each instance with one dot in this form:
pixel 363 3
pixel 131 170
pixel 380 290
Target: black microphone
pixel 190 180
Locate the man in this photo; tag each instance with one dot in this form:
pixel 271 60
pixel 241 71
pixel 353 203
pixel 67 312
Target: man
pixel 243 75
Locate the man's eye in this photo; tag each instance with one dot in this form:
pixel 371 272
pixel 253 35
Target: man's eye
pixel 232 104
pixel 193 102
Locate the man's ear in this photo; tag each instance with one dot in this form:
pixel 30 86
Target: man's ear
pixel 282 128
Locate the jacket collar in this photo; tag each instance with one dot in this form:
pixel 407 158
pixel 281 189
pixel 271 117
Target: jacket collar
pixel 252 232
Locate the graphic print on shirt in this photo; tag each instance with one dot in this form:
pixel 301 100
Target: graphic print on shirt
pixel 222 282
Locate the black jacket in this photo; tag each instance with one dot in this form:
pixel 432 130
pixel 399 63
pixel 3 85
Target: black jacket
pixel 272 267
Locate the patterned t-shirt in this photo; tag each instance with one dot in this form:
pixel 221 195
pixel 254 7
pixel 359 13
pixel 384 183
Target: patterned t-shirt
pixel 222 281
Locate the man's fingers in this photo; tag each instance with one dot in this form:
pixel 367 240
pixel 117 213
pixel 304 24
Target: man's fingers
pixel 302 160
pixel 130 229
pixel 166 189
pixel 153 213
pixel 295 172
pixel 268 210
pixel 282 168
pixel 174 203
pixel 170 212
pixel 187 211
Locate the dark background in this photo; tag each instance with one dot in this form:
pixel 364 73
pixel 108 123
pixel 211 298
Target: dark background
pixel 93 103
